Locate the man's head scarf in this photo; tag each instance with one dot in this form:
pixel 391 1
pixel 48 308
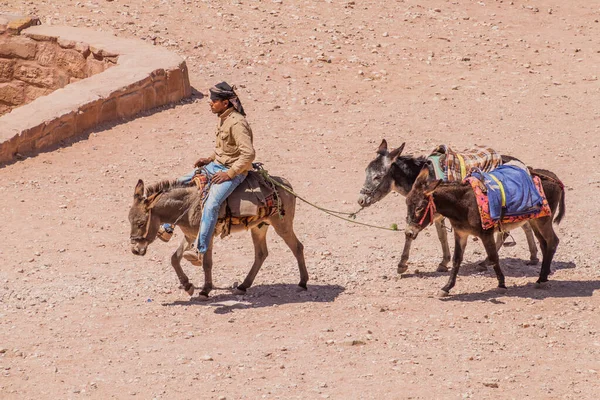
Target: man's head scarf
pixel 222 91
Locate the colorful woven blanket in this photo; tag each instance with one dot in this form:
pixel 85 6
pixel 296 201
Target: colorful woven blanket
pixel 452 166
pixel 483 203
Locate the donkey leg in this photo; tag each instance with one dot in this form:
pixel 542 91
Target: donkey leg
pixel 533 258
pixel 460 242
pixel 491 248
pixel 500 238
pixel 403 264
pixel 185 283
pixel 207 262
pixel 259 238
pixel 442 233
pixel 544 231
pixel 284 228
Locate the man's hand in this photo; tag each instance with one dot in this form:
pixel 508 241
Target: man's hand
pixel 202 162
pixel 220 177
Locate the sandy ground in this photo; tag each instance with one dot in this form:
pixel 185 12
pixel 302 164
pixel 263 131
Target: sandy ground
pixel 323 82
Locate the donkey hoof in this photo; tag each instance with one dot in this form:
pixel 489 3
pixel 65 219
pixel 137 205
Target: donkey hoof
pixel 188 287
pixel 402 268
pixel 301 288
pixel 443 293
pixel 533 261
pixel 238 291
pixel 501 289
pixel 542 285
pixel 442 268
pixel 202 297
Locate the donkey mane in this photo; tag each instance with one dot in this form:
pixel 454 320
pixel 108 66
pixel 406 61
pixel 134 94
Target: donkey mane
pixel 164 186
pixel 408 163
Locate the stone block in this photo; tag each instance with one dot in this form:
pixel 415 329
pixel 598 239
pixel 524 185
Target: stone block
pixel 149 94
pixel 94 67
pixel 160 88
pixel 108 111
pixel 87 116
pixel 18 24
pixel 18 46
pixel 72 61
pixel 33 92
pixel 12 93
pixel 130 104
pixel 46 54
pixel 40 76
pixel 57 130
pixel 174 85
pixel 7 68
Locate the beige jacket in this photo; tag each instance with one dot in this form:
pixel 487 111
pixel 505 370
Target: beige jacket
pixel 233 147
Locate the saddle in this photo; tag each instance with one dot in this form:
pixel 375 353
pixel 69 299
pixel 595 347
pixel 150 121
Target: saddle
pixel 450 165
pixel 253 199
pixel 508 194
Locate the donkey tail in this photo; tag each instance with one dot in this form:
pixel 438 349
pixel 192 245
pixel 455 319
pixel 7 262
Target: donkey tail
pixel 561 207
pixel 544 174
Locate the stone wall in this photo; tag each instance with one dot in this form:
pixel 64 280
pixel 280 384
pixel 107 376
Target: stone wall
pixel 30 68
pixel 143 77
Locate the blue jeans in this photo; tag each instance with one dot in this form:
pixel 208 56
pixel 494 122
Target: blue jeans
pixel 217 194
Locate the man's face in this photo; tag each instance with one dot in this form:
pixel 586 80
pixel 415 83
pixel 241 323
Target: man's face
pixel 218 106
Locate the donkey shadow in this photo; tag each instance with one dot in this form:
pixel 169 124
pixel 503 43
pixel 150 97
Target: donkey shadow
pixel 266 295
pixel 513 267
pixel 553 289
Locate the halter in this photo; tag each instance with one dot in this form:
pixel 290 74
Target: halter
pixel 144 236
pixel 430 209
pixel 371 192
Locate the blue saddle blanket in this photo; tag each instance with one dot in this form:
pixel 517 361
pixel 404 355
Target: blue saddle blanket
pixel 522 197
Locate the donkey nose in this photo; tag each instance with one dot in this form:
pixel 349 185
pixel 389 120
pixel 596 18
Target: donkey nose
pixel 361 202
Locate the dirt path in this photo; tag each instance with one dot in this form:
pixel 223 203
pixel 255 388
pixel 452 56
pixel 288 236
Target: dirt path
pixel 323 82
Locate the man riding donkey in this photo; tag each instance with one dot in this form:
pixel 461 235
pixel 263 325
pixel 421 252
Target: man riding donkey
pixel 224 169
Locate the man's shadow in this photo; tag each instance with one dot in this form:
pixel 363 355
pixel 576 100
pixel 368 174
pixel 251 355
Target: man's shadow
pixel 225 301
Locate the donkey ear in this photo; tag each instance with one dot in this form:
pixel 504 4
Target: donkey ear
pixel 382 147
pixel 396 152
pixel 138 194
pixel 422 178
pixel 150 201
pixel 432 186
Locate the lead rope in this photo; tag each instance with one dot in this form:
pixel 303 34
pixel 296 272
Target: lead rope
pixel 265 174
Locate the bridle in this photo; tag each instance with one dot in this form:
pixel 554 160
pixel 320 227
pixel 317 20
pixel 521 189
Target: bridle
pixel 145 235
pixel 429 210
pixel 371 192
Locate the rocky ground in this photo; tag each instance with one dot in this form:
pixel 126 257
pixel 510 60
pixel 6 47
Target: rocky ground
pixel 323 82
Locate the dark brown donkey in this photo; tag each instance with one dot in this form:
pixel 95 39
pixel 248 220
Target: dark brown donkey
pixel 456 202
pixel 180 204
pixel 391 171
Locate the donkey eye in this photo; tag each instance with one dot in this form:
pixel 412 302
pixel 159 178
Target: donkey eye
pixel 418 210
pixel 141 224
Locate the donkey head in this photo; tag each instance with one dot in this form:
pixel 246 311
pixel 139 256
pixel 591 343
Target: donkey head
pixel 419 204
pixel 144 225
pixel 379 181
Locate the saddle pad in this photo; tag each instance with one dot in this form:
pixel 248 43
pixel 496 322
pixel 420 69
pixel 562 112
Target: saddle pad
pixel 510 191
pixel 487 222
pixel 246 200
pixel 456 166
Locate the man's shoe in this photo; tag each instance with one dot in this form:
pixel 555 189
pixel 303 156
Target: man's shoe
pixel 193 256
pixel 165 232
